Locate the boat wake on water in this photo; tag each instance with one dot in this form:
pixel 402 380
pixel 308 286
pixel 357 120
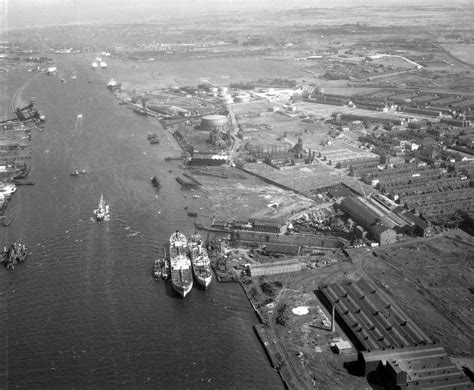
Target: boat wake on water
pixel 102 211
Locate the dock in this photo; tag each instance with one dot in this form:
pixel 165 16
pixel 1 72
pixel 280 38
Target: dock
pixel 186 183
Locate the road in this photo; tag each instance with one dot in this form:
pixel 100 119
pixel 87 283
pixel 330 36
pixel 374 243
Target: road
pixel 234 131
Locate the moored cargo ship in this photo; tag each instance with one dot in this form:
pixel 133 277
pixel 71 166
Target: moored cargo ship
pixel 200 261
pixel 181 274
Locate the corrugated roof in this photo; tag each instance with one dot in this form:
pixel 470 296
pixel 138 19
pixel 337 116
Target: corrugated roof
pixel 376 322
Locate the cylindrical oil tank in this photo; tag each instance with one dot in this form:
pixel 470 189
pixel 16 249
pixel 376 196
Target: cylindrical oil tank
pixel 242 98
pixel 222 89
pixel 213 122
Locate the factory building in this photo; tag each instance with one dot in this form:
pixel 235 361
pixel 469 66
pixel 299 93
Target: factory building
pixel 389 342
pixel 214 123
pixel 456 122
pixel 370 318
pixel 207 159
pixel 422 367
pixel 271 226
pixel 371 219
pixel 288 243
pixel 276 267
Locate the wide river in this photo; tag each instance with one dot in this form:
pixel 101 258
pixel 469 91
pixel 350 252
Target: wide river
pixel 84 310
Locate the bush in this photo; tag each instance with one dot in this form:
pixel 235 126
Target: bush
pixel 268 289
pixel 283 315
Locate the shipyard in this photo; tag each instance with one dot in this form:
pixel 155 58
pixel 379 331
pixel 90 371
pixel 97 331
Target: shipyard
pixel 319 164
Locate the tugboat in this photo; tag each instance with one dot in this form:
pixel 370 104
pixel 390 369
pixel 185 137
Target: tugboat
pixel 157 268
pixel 16 253
pixel 102 211
pixel 113 85
pixel 161 268
pixel 155 181
pixel 77 172
pixel 153 138
pixel 22 173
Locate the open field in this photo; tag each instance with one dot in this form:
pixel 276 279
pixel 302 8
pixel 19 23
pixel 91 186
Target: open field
pixel 301 178
pixel 463 51
pixel 235 195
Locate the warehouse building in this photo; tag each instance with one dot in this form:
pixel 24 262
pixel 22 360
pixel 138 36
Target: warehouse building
pixel 369 219
pixel 421 367
pixel 389 342
pixel 373 321
pixel 295 243
pixel 276 267
pixel 207 159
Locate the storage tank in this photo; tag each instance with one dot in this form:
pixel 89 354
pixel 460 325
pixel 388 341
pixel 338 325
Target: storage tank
pixel 213 122
pixel 223 90
pixel 243 98
pixel 226 98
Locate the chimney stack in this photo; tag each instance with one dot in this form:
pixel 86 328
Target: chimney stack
pixel 333 320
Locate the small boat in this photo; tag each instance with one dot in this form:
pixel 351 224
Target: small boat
pixel 165 270
pixel 114 85
pixel 155 181
pixel 22 173
pixel 78 172
pixel 102 211
pixel 153 138
pixel 16 253
pixel 157 269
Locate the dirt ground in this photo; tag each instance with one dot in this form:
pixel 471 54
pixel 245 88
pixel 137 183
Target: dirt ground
pixel 231 194
pixel 306 336
pixel 302 178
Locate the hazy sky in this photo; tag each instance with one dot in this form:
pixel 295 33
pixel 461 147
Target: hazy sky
pixel 21 13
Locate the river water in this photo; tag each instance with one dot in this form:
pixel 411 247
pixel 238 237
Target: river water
pixel 84 310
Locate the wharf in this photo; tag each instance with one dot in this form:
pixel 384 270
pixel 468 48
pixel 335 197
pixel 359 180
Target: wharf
pixel 185 183
pixel 267 337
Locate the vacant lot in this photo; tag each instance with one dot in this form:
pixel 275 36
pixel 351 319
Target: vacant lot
pixel 231 194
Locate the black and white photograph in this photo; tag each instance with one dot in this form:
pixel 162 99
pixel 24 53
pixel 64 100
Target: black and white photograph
pixel 236 194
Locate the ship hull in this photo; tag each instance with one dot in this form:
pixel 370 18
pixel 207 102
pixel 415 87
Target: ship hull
pixel 180 264
pixel 203 281
pixel 200 262
pixel 182 288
